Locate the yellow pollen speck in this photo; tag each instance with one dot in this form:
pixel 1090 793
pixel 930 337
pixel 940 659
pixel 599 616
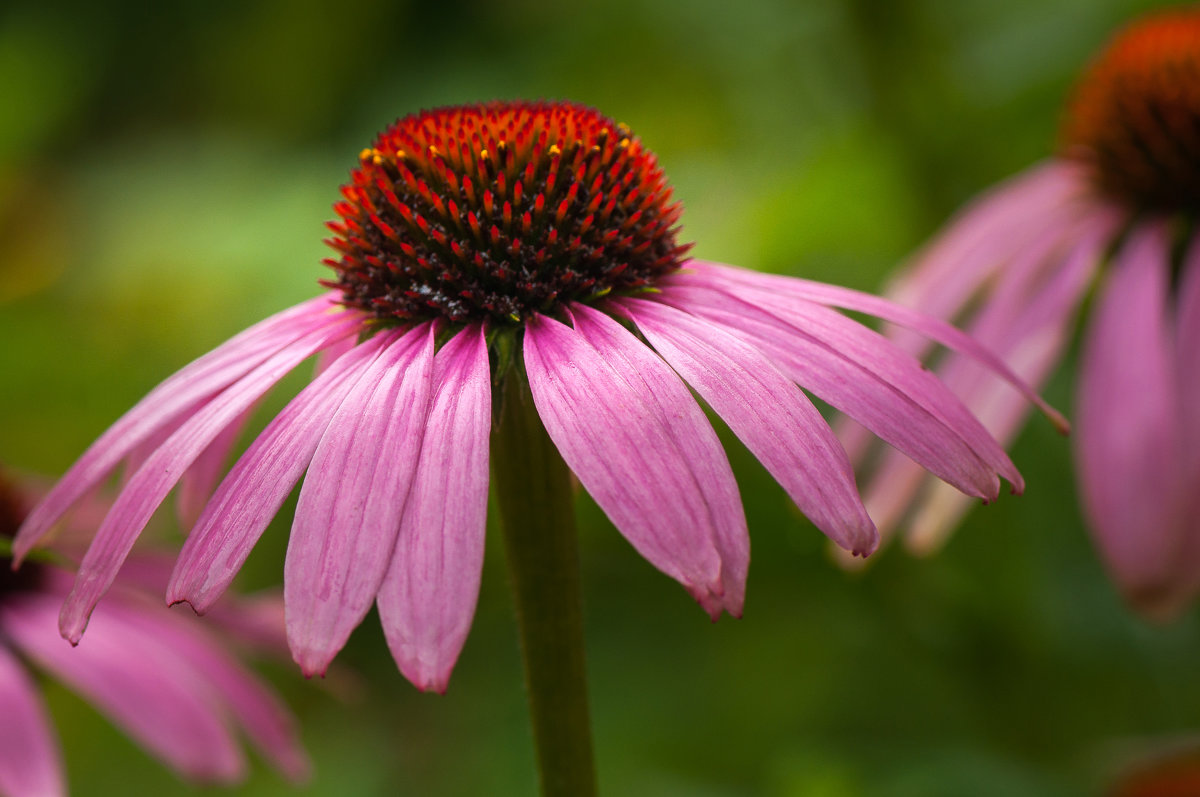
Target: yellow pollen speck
pixel 483 154
pixel 377 159
pixel 554 150
pixel 516 318
pixel 623 143
pixel 365 154
pixel 622 128
pixel 433 151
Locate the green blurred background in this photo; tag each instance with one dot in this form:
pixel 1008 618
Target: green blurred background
pixel 165 171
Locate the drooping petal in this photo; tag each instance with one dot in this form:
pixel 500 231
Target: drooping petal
pixel 630 430
pixel 131 677
pixel 991 232
pixel 197 483
pixel 755 287
pixel 427 600
pixel 1127 443
pixel 261 480
pixel 353 497
pixel 150 485
pixel 769 413
pixel 30 762
pixel 175 397
pixel 1028 321
pixel 848 385
pixel 897 368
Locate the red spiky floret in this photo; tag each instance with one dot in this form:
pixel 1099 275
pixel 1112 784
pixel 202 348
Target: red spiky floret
pixel 492 212
pixel 1135 116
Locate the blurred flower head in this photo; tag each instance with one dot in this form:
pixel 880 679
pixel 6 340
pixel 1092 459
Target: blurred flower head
pixel 1117 208
pixel 531 241
pixel 165 678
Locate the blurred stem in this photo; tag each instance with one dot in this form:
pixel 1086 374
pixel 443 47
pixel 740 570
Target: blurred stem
pixel 533 490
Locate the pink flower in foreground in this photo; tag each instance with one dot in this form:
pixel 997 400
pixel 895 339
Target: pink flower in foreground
pixel 163 677
pixel 1118 207
pixel 512 241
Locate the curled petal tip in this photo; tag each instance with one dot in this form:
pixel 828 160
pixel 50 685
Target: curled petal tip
pixel 1061 424
pixel 311 663
pixel 173 601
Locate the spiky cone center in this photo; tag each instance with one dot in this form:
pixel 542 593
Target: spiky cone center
pixel 1135 115
pixel 493 212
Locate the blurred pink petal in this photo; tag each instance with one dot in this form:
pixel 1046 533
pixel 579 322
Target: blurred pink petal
pixel 133 678
pixel 30 762
pixel 1128 439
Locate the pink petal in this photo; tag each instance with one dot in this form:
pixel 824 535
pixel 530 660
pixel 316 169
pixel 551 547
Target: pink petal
pixel 150 485
pixel 639 443
pixel 202 662
pixel 756 287
pixel 768 413
pixel 353 498
pixel 30 763
pixel 197 483
pixel 897 368
pixel 986 237
pixel 176 396
pixel 1028 321
pixel 1127 445
pixel 427 600
pixel 133 677
pixel 1187 345
pixel 1188 348
pixel 261 481
pixel 848 385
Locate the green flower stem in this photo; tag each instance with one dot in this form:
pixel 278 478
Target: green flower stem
pixel 533 490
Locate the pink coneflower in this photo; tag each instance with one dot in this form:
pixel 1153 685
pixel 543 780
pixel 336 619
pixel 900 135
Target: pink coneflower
pixel 1118 205
pixel 163 677
pixel 529 247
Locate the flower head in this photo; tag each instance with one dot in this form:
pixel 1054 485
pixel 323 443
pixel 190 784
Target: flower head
pixel 1118 208
pixel 530 241
pixel 164 678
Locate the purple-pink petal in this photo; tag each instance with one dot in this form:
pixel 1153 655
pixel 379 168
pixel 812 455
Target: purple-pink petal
pixel 134 678
pixel 769 413
pixel 847 384
pixel 202 662
pixel 30 762
pixel 641 446
pixel 756 287
pixel 427 600
pixel 261 480
pixel 1127 443
pixel 1028 320
pixel 150 485
pixel 352 500
pixel 178 395
pixel 197 483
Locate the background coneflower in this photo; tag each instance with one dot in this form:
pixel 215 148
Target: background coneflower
pixel 1116 209
pixel 168 680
